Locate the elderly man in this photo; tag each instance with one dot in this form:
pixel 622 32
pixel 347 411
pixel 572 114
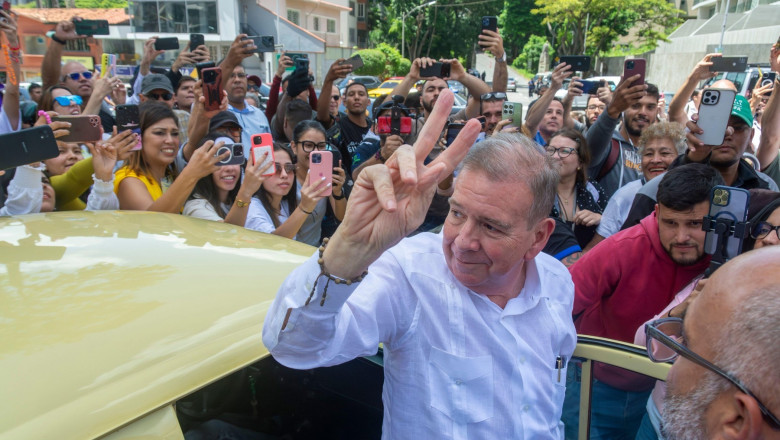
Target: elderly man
pixel 723 384
pixel 474 320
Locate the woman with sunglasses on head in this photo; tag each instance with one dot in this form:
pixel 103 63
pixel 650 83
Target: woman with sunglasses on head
pixel 579 201
pixel 288 203
pixel 763 230
pixel 149 181
pixel 219 196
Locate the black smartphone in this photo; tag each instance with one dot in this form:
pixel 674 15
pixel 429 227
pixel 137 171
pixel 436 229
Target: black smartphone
pixel 263 43
pixel 490 22
pixel 726 203
pixel 453 129
pixel 729 64
pixel 302 64
pixel 355 61
pixel 196 40
pixel 128 118
pixel 167 43
pixel 578 63
pixel 204 65
pixel 439 70
pixel 27 146
pixel 236 156
pixel 589 87
pixel 91 27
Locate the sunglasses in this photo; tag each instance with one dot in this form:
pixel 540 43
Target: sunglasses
pixel 157 96
pixel 76 75
pixel 68 100
pixel 289 168
pixel 335 97
pixel 492 96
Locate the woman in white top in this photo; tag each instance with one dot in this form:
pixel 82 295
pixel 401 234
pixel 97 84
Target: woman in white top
pixel 218 196
pixel 288 204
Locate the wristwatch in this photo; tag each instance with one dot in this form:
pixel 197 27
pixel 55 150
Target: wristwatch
pixel 378 156
pixel 53 36
pixel 502 59
pixel 241 203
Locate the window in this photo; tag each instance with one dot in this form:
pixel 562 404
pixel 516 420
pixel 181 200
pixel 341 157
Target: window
pixel 361 10
pixel 352 8
pixel 181 16
pixel 316 23
pixel 294 16
pixel 352 36
pixel 34 45
pixel 79 45
pixel 331 26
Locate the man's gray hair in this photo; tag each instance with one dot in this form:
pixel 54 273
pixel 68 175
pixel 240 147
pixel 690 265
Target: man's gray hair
pixel 511 158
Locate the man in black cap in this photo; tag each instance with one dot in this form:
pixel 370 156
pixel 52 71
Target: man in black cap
pixel 157 87
pixel 226 123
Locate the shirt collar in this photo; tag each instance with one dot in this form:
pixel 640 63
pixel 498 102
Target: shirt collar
pixel 248 108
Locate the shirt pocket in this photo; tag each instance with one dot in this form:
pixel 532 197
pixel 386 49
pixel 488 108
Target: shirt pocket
pixel 461 387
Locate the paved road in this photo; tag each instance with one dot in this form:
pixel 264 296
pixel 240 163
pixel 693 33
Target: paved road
pixel 521 95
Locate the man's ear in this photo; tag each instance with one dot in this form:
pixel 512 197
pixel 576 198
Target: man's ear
pixel 740 419
pixel 542 232
pixel 657 213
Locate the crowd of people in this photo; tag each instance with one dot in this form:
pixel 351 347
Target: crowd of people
pixel 474 260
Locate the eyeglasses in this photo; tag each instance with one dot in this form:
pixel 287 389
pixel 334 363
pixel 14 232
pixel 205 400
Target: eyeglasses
pixel 335 97
pixel 664 344
pixel 76 75
pixel 156 96
pixel 597 107
pixel 68 100
pixel 238 75
pixel 562 152
pixel 492 96
pixel 309 146
pixel 289 168
pixel 762 229
pixel 233 129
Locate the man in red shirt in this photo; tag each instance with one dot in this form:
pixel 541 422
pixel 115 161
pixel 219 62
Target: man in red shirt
pixel 629 278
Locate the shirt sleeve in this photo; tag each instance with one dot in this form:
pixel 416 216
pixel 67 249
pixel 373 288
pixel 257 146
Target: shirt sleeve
pixel 102 197
pixel 72 184
pixel 25 192
pixel 599 140
pixel 201 208
pixel 593 280
pixel 257 218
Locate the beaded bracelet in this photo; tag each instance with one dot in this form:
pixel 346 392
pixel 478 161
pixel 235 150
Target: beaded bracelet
pixel 10 71
pixel 324 272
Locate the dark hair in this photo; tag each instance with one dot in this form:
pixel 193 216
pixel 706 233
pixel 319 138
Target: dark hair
pixel 763 203
pixel 183 80
pixel 304 126
pixel 685 186
pixel 355 83
pixel 205 187
pixel 47 101
pixel 151 112
pixel 33 86
pixel 413 100
pixel 652 90
pixel 297 111
pixel 583 152
pixel 292 195
pixel 591 96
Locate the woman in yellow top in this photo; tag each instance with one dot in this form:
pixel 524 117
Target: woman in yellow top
pixel 148 181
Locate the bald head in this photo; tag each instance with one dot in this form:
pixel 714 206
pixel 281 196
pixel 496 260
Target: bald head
pixel 724 84
pixel 80 85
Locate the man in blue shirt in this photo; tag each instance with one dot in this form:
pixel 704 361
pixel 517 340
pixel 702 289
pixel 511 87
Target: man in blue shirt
pixel 251 118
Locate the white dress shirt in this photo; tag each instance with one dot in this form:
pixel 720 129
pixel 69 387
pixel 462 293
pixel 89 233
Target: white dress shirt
pixel 456 365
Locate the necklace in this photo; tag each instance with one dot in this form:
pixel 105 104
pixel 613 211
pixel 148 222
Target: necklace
pixel 564 211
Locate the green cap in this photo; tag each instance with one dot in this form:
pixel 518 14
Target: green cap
pixel 741 109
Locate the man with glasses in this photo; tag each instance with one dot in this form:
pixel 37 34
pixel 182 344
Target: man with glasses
pixel 491 105
pixel 648 265
pixel 724 382
pixel 252 119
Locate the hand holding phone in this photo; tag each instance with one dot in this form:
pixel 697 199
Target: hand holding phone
pixel 437 69
pixel 212 88
pixel 355 61
pixel 167 43
pixel 261 144
pixel 321 170
pixel 128 118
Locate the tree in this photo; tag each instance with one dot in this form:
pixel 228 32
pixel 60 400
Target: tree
pixel 518 24
pixel 529 58
pixel 374 62
pixel 394 64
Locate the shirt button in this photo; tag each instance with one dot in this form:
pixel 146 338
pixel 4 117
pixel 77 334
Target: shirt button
pixel 526 408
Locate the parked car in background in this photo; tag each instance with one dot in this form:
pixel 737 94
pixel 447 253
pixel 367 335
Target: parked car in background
pixel 456 87
pixel 386 87
pixel 371 82
pixel 744 81
pixel 511 85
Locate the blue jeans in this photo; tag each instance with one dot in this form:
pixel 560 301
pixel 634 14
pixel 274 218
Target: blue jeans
pixel 650 429
pixel 615 414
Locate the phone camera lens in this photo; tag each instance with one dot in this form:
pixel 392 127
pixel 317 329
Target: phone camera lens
pixel 238 150
pixel 630 64
pixel 221 151
pixel 257 140
pixel 316 158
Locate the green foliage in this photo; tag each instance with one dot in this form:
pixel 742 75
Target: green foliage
pixel 517 24
pixel 529 58
pixel 393 62
pixel 373 62
pixel 593 26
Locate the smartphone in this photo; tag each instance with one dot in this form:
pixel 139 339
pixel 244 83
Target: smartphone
pixel 439 70
pixel 212 87
pixel 490 22
pixel 167 43
pixel 196 40
pixel 27 146
pixel 321 165
pixel 355 61
pixel 589 87
pixel 293 56
pixel 453 130
pixel 107 64
pixel 91 27
pixel 578 63
pixel 262 143
pixel 768 79
pixel 302 64
pixel 129 118
pixel 513 111
pixel 263 43
pixel 727 203
pixel 729 64
pixel 482 121
pixel 83 128
pixel 236 156
pixel 714 112
pixel 204 65
pixel 384 125
pixel 635 66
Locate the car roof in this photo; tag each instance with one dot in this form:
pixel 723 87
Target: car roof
pixel 107 316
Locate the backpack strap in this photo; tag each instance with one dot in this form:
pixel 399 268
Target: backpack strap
pixel 614 152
